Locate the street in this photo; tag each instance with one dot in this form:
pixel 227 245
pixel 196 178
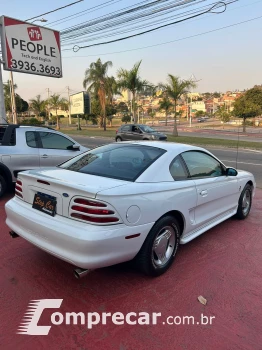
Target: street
pixel 242 159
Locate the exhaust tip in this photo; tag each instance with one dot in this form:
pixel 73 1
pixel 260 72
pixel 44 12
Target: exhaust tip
pixel 13 234
pixel 80 273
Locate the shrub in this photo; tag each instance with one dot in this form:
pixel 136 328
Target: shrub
pixel 31 121
pixel 126 119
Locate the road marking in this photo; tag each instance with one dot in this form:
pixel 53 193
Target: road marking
pixel 240 150
pixel 233 161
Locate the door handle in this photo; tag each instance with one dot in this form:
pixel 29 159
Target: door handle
pixel 44 156
pixel 203 193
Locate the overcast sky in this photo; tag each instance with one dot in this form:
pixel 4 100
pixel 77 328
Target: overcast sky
pixel 224 60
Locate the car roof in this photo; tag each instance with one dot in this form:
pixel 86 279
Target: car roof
pixel 167 146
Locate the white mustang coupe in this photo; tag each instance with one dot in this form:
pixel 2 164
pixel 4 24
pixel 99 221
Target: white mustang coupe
pixel 124 201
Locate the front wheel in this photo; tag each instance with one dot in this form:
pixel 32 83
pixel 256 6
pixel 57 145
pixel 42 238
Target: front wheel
pixel 244 203
pixel 118 139
pixel 160 247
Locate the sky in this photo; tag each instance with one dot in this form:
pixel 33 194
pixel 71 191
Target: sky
pixel 228 59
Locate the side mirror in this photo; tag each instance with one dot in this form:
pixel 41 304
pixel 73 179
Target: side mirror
pixel 231 172
pixel 73 148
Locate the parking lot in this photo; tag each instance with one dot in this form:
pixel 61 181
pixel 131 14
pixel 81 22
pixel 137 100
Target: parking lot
pixel 223 265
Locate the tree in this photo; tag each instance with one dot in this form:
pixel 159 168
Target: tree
pixel 21 105
pixel 126 118
pixel 174 89
pixel 245 108
pixel 38 105
pixel 96 81
pixel 122 107
pixel 255 95
pixel 130 80
pixel 166 106
pixel 223 114
pixel 110 112
pixel 56 102
pixel 199 113
pixel 151 112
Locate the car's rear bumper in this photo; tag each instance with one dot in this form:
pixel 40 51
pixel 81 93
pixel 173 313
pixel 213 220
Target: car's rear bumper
pixel 84 245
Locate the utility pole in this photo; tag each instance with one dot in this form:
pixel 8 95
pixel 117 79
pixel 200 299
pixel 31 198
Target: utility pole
pixel 69 107
pixel 48 111
pixel 13 99
pixel 2 99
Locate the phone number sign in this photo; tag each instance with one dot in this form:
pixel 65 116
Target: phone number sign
pixel 30 49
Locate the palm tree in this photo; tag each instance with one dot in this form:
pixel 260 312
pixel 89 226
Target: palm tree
pixel 37 105
pixel 56 102
pixel 130 80
pixel 174 89
pixel 165 105
pixel 96 81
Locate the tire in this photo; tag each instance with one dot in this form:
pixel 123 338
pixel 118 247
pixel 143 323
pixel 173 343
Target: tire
pixel 244 203
pixel 150 259
pixel 2 186
pixel 118 139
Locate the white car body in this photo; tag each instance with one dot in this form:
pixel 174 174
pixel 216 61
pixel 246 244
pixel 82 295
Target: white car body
pixel 201 204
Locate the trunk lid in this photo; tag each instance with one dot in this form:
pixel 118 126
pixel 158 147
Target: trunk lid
pixel 63 185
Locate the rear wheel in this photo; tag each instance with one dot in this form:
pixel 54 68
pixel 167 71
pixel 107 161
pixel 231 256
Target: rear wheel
pixel 118 139
pixel 160 247
pixel 2 186
pixel 244 203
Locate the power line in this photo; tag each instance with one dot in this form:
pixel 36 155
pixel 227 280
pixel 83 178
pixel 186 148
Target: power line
pixel 109 33
pixel 150 15
pixel 60 8
pixel 113 15
pixel 77 48
pixel 172 41
pixel 82 13
pixel 105 33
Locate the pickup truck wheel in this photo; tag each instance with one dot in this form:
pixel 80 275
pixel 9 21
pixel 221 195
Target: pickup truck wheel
pixel 2 186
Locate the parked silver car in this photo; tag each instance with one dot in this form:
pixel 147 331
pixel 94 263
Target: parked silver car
pixel 131 132
pixel 32 147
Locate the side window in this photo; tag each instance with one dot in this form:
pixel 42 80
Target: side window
pixel 201 164
pixel 54 141
pixel 31 140
pixel 125 128
pixel 177 170
pixel 136 129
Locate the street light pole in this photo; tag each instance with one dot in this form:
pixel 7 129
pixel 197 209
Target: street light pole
pixel 14 113
pixel 2 99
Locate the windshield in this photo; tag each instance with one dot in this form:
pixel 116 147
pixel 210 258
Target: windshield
pixel 123 162
pixel 147 129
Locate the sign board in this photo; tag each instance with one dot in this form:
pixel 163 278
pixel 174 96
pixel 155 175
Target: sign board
pixel 80 103
pixel 28 48
pixel 77 103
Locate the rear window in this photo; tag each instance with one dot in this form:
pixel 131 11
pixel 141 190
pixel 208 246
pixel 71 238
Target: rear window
pixel 123 162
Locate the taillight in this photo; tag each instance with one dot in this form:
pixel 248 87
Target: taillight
pixel 19 189
pixel 116 131
pixel 93 211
